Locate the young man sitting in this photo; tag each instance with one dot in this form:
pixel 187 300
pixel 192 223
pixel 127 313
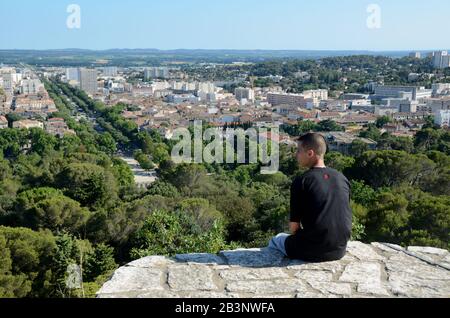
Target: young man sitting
pixel 320 216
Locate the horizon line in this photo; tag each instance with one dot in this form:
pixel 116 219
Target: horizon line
pixel 224 49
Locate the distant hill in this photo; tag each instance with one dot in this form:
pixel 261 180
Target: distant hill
pixel 72 56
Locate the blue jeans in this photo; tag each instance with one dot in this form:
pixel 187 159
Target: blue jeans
pixel 277 243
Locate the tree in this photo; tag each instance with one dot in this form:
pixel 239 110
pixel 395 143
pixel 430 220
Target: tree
pixel 116 225
pixel 408 216
pixel 427 139
pixel 100 159
pixel 26 200
pixel 8 194
pixel 11 285
pixel 277 179
pixel 89 184
pixel 41 141
pixel 47 208
pixel 160 153
pixel 372 132
pixel 70 143
pixel 12 117
pixel 390 168
pixel 144 160
pixel 201 213
pixel 288 161
pixel 358 147
pixel 437 182
pixel 362 194
pixel 145 142
pixel 12 141
pixel 166 170
pixel 306 126
pixel 430 214
pixel 99 262
pixel 122 173
pixel 358 220
pixel 271 206
pixel 383 120
pixel 338 161
pixel 303 126
pixel 389 142
pixel 429 122
pixel 272 213
pixel 106 143
pixel 244 173
pixel 64 255
pixel 5 169
pixel 70 252
pixel 239 215
pixel 162 188
pixel 387 220
pixel 329 125
pixel 166 233
pixel 189 179
pixel 26 262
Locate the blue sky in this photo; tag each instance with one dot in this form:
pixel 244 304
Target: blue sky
pixel 227 24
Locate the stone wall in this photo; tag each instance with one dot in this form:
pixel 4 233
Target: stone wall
pixel 376 270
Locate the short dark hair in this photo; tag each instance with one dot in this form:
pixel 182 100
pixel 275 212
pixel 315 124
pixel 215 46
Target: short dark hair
pixel 314 141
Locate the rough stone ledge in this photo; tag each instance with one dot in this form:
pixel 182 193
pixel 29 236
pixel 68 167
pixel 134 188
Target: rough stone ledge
pixel 367 270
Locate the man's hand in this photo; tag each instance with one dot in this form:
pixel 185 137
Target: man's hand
pixel 294 227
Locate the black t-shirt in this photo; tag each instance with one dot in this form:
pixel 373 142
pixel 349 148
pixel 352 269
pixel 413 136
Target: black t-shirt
pixel 320 200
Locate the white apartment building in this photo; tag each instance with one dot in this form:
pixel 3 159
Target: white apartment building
pixel 88 80
pixel 276 99
pixel 308 99
pixel 244 93
pixel 437 104
pixel 319 94
pixel 402 105
pixel 385 110
pixel 442 118
pixel 408 106
pixel 354 96
pixel 404 92
pixel 16 77
pixel 7 83
pixel 72 74
pixel 160 86
pixel 189 86
pixel 441 59
pixel 206 87
pixel 185 98
pixel 27 124
pixel 441 89
pixel 415 55
pixel 423 94
pixel 110 71
pixel 31 86
pixel 156 72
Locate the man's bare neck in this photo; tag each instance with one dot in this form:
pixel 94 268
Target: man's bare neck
pixel 319 164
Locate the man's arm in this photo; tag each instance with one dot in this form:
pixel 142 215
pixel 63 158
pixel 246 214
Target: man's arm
pixel 295 209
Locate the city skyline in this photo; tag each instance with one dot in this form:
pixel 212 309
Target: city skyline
pixel 249 25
